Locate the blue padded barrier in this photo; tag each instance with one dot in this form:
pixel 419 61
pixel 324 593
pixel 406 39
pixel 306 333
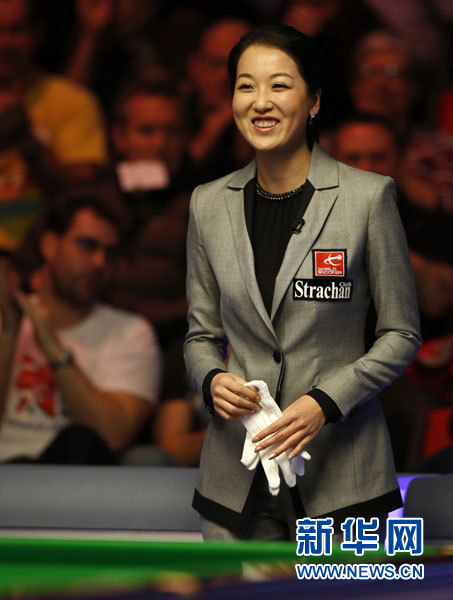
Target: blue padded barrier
pixel 98 498
pixel 432 499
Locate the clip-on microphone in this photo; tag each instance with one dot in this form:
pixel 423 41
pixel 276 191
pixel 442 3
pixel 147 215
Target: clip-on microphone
pixel 298 227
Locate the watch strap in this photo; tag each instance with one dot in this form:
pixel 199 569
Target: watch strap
pixel 65 359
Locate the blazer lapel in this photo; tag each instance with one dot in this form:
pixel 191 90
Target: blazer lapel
pixel 323 175
pixel 234 200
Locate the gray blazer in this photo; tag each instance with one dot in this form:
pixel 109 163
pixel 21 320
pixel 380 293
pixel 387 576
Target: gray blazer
pixel 352 247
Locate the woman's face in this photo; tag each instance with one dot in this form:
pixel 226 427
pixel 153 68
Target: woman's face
pixel 271 102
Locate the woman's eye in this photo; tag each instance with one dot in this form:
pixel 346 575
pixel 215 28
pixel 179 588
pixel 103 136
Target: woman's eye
pixel 280 86
pixel 245 86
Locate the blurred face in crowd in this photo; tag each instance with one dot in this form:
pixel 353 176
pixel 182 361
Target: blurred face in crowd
pixel 80 261
pixel 130 15
pixel 271 101
pixel 153 129
pixel 17 39
pixel 367 146
pixel 434 282
pixel 208 66
pixel 310 16
pixel 382 86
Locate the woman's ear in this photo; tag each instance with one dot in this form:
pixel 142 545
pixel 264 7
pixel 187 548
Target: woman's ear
pixel 48 245
pixel 316 102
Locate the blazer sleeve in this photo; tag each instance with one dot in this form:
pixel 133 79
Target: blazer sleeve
pixel 205 343
pixel 391 281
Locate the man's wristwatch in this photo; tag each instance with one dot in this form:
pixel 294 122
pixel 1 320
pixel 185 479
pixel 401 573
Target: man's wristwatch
pixel 65 359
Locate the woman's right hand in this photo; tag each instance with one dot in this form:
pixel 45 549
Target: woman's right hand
pixel 231 398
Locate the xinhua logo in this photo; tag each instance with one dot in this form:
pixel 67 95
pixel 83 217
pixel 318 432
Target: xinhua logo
pixel 405 535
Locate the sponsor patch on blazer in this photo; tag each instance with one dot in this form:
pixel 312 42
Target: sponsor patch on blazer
pixel 322 290
pixel 329 263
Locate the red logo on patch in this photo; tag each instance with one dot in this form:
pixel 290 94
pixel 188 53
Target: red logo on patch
pixel 329 263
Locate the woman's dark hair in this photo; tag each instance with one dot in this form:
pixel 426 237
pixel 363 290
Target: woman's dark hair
pixel 302 49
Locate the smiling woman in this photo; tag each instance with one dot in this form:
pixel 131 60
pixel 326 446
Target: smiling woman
pixel 283 258
pixel 272 104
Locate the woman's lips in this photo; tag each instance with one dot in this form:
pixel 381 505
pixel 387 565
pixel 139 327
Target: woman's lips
pixel 264 125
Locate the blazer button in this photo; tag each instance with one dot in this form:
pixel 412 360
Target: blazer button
pixel 277 356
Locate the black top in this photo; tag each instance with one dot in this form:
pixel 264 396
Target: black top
pixel 270 229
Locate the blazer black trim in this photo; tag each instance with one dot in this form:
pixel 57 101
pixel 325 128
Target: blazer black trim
pixel 239 522
pixel 370 508
pixel 226 517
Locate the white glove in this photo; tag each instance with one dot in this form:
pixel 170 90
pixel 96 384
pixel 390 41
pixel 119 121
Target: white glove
pixel 256 422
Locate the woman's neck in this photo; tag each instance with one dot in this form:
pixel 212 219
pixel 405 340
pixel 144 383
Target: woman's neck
pixel 278 173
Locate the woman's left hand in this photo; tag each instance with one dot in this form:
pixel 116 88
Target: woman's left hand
pixel 299 424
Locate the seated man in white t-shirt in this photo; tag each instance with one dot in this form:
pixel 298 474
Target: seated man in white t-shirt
pixel 78 379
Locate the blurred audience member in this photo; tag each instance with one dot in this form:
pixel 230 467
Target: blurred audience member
pixel 77 378
pixel 368 142
pixel 111 41
pixel 384 80
pixel 429 240
pixel 181 420
pixel 432 370
pixel 426 25
pixel 428 170
pixel 441 461
pixel 216 147
pixel 150 135
pixel 387 81
pixel 184 22
pixel 311 16
pixel 179 427
pixel 51 131
pixel 151 129
pixel 335 25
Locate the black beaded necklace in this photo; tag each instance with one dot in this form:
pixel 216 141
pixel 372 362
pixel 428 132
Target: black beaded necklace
pixel 277 197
